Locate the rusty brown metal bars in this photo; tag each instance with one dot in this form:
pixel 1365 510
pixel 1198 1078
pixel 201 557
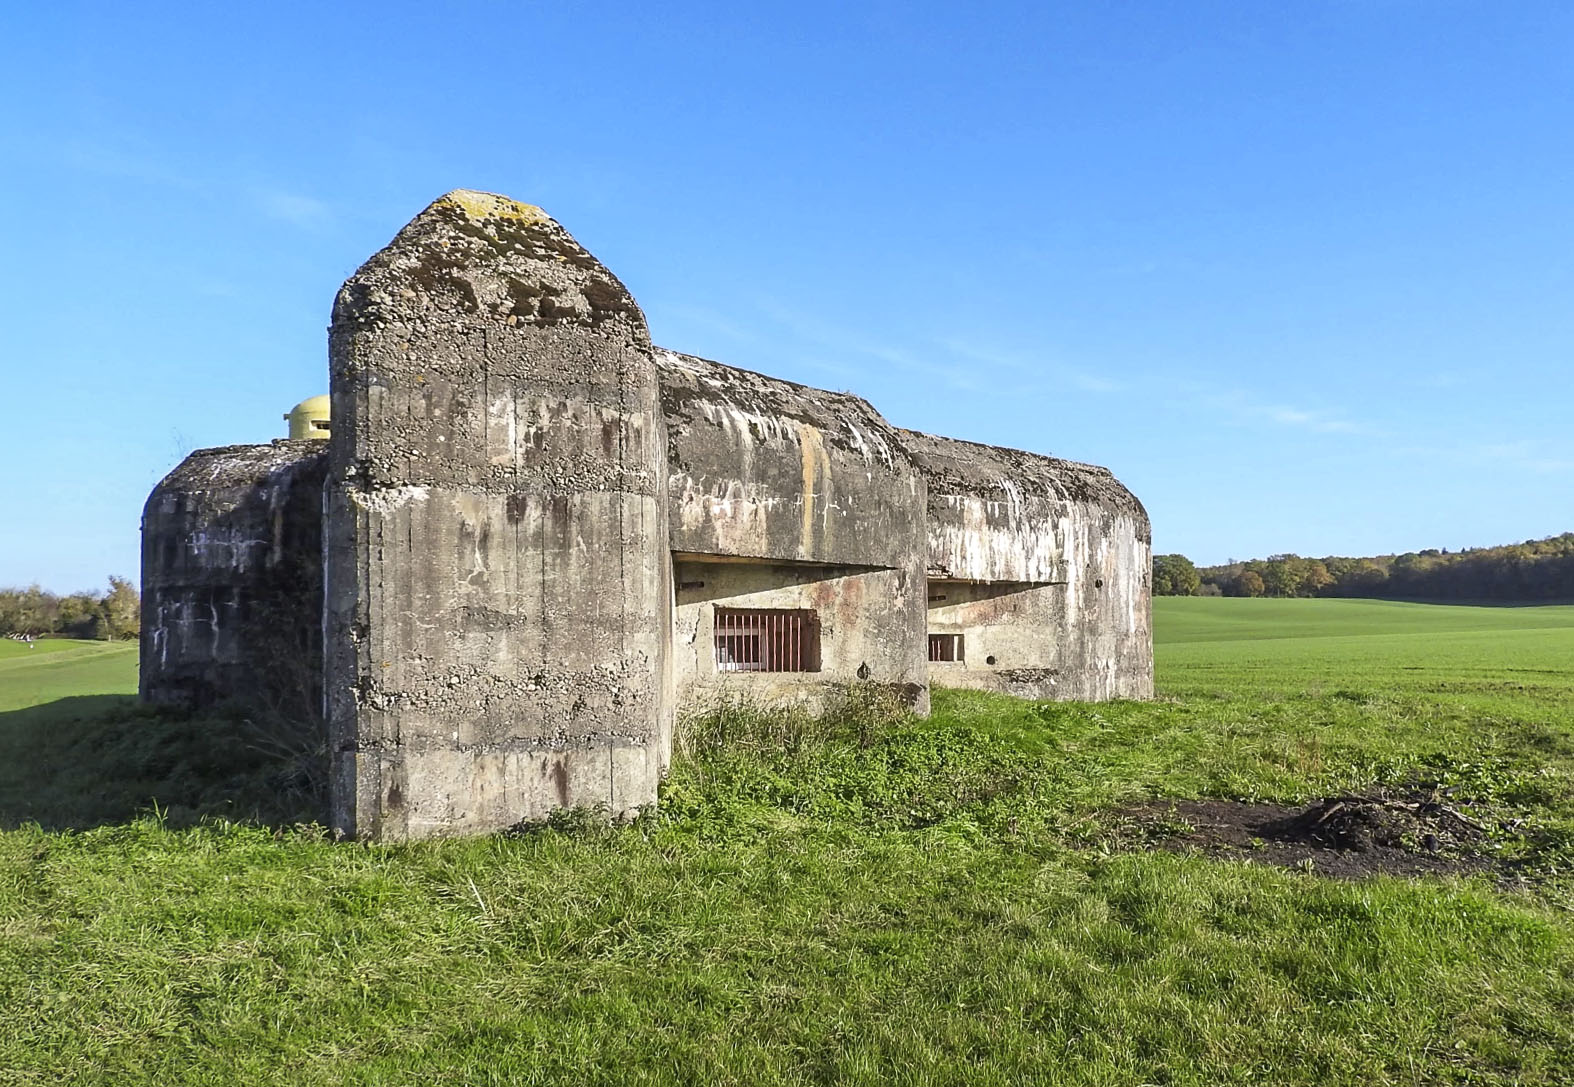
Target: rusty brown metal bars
pixel 763 640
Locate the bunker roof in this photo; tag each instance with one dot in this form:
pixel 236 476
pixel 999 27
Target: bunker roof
pixel 949 465
pixel 954 466
pixel 240 465
pixel 844 419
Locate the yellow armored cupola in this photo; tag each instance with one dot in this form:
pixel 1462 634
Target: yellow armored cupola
pixel 309 418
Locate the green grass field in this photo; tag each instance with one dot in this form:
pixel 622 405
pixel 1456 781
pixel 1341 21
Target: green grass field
pixel 56 668
pixel 871 899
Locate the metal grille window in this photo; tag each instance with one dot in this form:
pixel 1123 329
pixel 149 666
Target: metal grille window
pixel 945 647
pixel 767 640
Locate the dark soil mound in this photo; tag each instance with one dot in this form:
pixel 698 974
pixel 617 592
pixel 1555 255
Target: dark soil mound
pixel 1346 837
pixel 1362 824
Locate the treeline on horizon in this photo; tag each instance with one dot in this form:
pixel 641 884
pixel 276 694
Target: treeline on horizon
pixel 107 616
pixel 1536 570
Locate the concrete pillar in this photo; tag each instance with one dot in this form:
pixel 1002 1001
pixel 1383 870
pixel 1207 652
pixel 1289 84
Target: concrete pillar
pixel 498 598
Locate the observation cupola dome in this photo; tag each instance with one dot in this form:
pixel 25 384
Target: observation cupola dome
pixel 309 418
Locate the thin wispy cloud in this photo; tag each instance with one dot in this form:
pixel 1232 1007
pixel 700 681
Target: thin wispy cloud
pixel 1516 455
pixel 217 288
pixel 108 161
pixel 711 321
pixel 1314 421
pixel 1519 449
pixel 293 208
pixel 966 378
pixel 950 362
pixel 1134 268
pixel 1246 409
pixel 1525 455
pixel 1037 366
pixel 844 343
pixel 116 159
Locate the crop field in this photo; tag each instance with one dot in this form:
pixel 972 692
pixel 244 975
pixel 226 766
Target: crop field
pixel 1337 849
pixel 1279 646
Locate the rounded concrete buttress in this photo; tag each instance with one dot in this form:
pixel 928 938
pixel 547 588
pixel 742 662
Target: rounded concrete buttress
pixel 498 580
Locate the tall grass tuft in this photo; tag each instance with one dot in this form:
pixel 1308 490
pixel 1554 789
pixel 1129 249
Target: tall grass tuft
pixel 860 712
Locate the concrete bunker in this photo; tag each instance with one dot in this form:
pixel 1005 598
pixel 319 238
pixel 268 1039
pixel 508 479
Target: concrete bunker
pixel 781 633
pixel 1037 571
pixel 534 539
pixel 232 578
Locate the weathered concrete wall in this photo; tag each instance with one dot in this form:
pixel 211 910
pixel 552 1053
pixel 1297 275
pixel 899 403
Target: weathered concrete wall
pixel 764 468
pixel 1009 632
pixel 1005 516
pixel 768 470
pixel 232 579
pixel 866 629
pixel 1109 608
pixel 498 596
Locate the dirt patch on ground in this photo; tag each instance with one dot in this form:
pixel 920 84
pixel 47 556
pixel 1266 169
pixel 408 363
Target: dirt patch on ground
pixel 1343 837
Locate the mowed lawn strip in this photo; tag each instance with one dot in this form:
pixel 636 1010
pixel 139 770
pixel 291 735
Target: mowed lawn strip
pixel 871 900
pixel 56 668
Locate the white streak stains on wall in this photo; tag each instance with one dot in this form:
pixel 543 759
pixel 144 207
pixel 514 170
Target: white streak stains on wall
pixel 223 548
pixel 738 515
pixel 997 541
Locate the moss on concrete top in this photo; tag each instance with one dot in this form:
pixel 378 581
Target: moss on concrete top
pixel 480 255
pixel 490 205
pixel 952 466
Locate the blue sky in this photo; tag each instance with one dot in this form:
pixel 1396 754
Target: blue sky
pixel 1299 273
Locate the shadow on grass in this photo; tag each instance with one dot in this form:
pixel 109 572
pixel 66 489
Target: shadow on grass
pixel 95 760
